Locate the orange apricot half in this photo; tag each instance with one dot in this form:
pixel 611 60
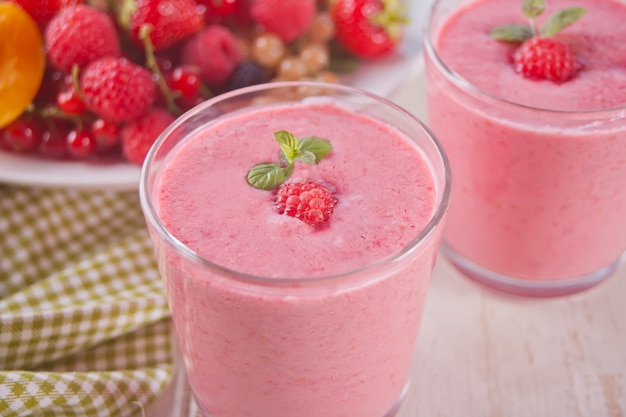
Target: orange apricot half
pixel 22 61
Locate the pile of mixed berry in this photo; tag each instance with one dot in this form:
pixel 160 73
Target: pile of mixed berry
pixel 114 73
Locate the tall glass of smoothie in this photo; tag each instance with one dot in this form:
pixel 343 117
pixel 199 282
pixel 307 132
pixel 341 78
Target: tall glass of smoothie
pixel 296 226
pixel 539 205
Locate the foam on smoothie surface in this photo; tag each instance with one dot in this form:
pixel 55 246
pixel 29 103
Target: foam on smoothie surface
pixel 385 190
pixel 596 39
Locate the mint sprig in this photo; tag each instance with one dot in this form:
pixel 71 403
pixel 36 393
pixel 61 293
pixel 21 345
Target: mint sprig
pixel 532 9
pixel 310 150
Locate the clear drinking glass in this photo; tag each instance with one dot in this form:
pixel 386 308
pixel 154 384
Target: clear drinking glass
pixel 282 347
pixel 539 205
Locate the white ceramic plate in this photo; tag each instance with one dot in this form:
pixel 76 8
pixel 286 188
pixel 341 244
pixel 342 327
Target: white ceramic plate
pixel 382 76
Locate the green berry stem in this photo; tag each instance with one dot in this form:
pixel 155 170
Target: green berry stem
pixel 169 95
pixel 205 91
pixel 76 83
pixel 54 111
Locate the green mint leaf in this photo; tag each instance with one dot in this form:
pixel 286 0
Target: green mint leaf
pixel 533 8
pixel 267 176
pixel 307 157
pixel 310 150
pixel 288 144
pixel 512 33
pixel 317 146
pixel 561 19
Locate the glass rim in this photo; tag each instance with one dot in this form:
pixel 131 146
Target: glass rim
pixel 435 220
pixel 466 85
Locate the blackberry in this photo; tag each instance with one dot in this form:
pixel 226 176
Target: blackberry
pixel 246 74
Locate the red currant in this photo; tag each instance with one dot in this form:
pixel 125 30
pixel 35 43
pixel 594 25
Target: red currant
pixel 22 135
pixel 81 143
pixel 54 143
pixel 69 102
pixel 106 133
pixel 186 80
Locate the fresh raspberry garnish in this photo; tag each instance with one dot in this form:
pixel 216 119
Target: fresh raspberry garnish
pixel 545 59
pixel 287 19
pixel 215 51
pixel 116 89
pixel 42 11
pixel 368 28
pixel 171 21
pixel 80 35
pixel 139 134
pixel 309 201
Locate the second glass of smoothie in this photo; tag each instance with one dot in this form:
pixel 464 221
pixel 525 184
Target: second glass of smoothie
pixel 539 204
pixel 276 317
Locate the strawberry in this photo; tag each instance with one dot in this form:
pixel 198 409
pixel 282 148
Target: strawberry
pixel 139 134
pixel 172 20
pixel 287 19
pixel 367 28
pixel 80 35
pixel 310 201
pixel 116 89
pixel 215 51
pixel 545 59
pixel 42 11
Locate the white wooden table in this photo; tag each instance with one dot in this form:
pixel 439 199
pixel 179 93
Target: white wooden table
pixel 487 355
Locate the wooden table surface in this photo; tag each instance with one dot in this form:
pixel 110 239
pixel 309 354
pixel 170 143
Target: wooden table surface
pixel 484 354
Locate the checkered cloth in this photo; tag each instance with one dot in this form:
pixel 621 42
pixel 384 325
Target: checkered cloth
pixel 84 324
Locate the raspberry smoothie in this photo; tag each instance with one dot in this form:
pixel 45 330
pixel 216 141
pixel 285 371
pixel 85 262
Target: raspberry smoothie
pixel 539 206
pixel 277 318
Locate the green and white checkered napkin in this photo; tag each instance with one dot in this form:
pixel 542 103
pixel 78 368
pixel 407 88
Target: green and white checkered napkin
pixel 84 324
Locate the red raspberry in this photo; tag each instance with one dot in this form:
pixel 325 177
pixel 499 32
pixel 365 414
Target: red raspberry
pixel 139 134
pixel 287 19
pixel 171 20
pixel 309 201
pixel 545 59
pixel 116 89
pixel 215 51
pixel 80 35
pixel 42 11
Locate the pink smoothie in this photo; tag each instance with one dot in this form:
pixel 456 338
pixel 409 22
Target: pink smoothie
pixel 308 346
pixel 538 194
